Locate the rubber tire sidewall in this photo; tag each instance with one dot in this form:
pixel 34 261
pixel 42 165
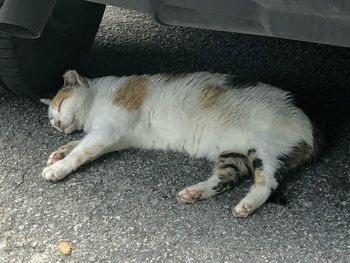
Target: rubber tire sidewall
pixel 35 66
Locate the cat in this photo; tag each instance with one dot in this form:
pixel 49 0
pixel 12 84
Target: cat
pixel 246 128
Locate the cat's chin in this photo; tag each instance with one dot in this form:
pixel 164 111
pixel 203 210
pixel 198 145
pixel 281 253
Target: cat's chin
pixel 69 129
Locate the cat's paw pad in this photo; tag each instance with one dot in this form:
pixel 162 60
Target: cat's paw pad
pixel 188 195
pixel 55 156
pixel 242 210
pixel 52 173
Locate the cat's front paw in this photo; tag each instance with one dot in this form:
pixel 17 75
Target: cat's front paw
pixel 188 195
pixel 55 156
pixel 54 172
pixel 242 210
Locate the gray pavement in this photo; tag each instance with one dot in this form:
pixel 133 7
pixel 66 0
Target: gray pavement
pixel 122 207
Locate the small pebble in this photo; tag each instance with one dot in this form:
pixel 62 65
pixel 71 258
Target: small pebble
pixel 65 247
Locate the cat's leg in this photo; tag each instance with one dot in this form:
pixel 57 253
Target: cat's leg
pixel 264 167
pixel 61 152
pixel 230 167
pixel 89 148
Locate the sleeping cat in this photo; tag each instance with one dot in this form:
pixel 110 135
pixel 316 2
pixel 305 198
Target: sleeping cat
pixel 246 128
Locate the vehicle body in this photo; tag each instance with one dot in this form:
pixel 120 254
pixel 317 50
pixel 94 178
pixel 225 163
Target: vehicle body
pixel 318 21
pixel 25 64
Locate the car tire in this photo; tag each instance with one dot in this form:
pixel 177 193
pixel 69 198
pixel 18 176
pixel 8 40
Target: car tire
pixel 35 66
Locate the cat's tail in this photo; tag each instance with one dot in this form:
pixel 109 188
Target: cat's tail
pixel 304 154
pixel 318 142
pixel 301 155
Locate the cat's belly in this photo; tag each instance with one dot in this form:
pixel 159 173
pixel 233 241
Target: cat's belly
pixel 200 142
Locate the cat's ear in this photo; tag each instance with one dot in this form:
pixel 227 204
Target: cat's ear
pixel 72 77
pixel 46 101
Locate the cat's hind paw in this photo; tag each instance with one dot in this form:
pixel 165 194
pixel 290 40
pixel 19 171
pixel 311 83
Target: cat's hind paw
pixel 242 210
pixel 188 195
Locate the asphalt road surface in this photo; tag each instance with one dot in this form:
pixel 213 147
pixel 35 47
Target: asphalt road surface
pixel 122 207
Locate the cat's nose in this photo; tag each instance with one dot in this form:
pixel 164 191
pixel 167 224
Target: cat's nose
pixel 58 123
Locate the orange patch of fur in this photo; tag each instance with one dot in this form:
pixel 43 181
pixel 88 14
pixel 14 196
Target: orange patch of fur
pixel 211 94
pixel 90 151
pixel 68 147
pixel 61 95
pixel 89 154
pixel 131 94
pixel 259 178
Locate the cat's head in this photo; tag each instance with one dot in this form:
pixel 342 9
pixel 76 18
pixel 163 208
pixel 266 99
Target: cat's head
pixel 66 109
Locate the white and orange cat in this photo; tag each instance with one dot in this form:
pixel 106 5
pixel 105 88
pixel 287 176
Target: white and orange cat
pixel 246 128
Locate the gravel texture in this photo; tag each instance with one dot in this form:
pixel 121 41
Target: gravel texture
pixel 122 207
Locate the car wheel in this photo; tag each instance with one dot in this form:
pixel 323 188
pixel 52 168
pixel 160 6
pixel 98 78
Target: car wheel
pixel 35 66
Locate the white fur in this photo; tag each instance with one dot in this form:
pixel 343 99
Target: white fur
pixel 171 118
